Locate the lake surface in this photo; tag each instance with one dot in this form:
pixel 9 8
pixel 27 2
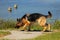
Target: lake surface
pixel 29 6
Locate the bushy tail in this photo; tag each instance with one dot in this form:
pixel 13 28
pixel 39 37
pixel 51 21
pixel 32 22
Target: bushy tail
pixel 50 15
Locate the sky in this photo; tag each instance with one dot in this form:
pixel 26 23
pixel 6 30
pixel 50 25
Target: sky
pixel 29 6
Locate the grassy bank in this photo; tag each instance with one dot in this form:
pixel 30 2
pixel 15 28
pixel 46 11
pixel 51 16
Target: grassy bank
pixel 4 33
pixel 51 36
pixel 10 24
pixel 56 25
pixel 55 35
pixel 7 24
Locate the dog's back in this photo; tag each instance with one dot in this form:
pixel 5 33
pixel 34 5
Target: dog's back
pixel 34 16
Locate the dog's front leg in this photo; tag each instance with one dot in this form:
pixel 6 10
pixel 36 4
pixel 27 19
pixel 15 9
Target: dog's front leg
pixel 24 27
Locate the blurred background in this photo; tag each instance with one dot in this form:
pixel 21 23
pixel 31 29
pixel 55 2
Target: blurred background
pixel 29 6
pixel 10 10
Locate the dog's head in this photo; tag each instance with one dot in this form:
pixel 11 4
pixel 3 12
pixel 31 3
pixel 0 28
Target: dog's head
pixel 19 23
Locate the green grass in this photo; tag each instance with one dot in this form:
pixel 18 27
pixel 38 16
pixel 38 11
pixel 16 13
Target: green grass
pixel 35 26
pixel 7 24
pixel 56 24
pixel 49 36
pixel 10 24
pixel 4 33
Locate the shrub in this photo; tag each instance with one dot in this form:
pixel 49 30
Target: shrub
pixel 56 24
pixel 5 24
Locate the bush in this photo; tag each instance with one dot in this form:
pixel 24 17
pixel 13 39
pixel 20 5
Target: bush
pixel 5 24
pixel 56 24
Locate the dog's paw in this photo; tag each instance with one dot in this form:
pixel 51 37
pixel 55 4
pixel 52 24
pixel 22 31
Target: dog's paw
pixel 47 31
pixel 22 30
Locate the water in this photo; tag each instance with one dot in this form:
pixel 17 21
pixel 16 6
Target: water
pixel 29 6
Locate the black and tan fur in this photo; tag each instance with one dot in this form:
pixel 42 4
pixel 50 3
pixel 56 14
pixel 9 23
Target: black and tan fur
pixel 27 19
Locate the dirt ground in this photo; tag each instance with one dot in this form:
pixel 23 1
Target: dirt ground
pixel 15 34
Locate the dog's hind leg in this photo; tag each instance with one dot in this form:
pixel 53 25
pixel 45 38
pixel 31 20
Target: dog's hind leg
pixel 44 28
pixel 48 27
pixel 42 22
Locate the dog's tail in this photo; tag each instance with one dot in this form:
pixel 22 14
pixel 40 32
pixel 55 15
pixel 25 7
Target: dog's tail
pixel 49 14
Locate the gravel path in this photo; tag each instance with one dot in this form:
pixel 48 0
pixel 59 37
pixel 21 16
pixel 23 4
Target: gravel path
pixel 22 35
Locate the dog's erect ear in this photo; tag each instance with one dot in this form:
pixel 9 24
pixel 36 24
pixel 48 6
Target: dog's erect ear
pixel 19 19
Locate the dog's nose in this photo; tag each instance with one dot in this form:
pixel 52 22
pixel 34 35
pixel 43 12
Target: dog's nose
pixel 17 26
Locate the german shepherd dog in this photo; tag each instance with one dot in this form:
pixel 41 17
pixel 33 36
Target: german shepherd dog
pixel 28 19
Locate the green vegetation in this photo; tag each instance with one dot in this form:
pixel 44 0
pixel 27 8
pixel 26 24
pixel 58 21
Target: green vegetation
pixel 35 26
pixel 51 36
pixel 4 33
pixel 7 24
pixel 10 24
pixel 56 24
